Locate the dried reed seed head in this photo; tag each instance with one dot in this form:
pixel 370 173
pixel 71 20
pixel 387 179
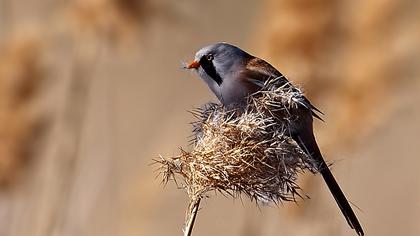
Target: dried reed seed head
pixel 244 151
pixel 118 22
pixel 21 73
pixel 21 68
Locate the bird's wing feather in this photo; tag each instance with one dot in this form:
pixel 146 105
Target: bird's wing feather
pixel 258 71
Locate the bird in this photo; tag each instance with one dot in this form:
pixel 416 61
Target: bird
pixel 233 75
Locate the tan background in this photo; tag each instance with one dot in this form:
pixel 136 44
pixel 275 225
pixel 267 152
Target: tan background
pixel 91 91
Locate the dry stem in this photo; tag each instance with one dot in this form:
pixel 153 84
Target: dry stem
pixel 191 215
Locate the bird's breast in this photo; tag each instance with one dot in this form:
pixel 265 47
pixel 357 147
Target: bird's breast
pixel 235 91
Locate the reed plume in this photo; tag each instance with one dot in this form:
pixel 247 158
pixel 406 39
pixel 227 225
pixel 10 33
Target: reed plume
pixel 243 151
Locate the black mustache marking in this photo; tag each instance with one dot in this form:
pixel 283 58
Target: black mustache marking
pixel 210 70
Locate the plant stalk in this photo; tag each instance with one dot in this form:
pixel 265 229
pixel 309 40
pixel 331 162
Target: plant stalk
pixel 191 215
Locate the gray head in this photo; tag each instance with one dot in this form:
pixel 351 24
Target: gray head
pixel 219 66
pixel 218 61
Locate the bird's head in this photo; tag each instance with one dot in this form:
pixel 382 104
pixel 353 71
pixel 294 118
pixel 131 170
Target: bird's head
pixel 216 62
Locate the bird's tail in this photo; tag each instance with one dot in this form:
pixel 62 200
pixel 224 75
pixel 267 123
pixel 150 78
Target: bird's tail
pixel 311 147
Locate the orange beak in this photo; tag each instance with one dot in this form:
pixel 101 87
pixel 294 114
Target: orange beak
pixel 193 65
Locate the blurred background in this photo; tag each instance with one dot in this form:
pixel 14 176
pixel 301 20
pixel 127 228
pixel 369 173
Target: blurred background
pixel 91 91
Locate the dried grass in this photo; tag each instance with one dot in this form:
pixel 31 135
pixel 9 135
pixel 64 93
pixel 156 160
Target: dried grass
pixel 243 151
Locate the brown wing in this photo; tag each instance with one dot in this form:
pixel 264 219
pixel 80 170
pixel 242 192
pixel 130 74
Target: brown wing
pixel 258 71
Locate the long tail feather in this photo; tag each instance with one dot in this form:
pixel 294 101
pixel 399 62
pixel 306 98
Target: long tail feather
pixel 307 142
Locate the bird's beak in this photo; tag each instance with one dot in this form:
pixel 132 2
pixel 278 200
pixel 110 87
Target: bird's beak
pixel 193 65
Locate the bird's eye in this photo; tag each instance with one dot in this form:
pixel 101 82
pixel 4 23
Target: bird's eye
pixel 209 57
